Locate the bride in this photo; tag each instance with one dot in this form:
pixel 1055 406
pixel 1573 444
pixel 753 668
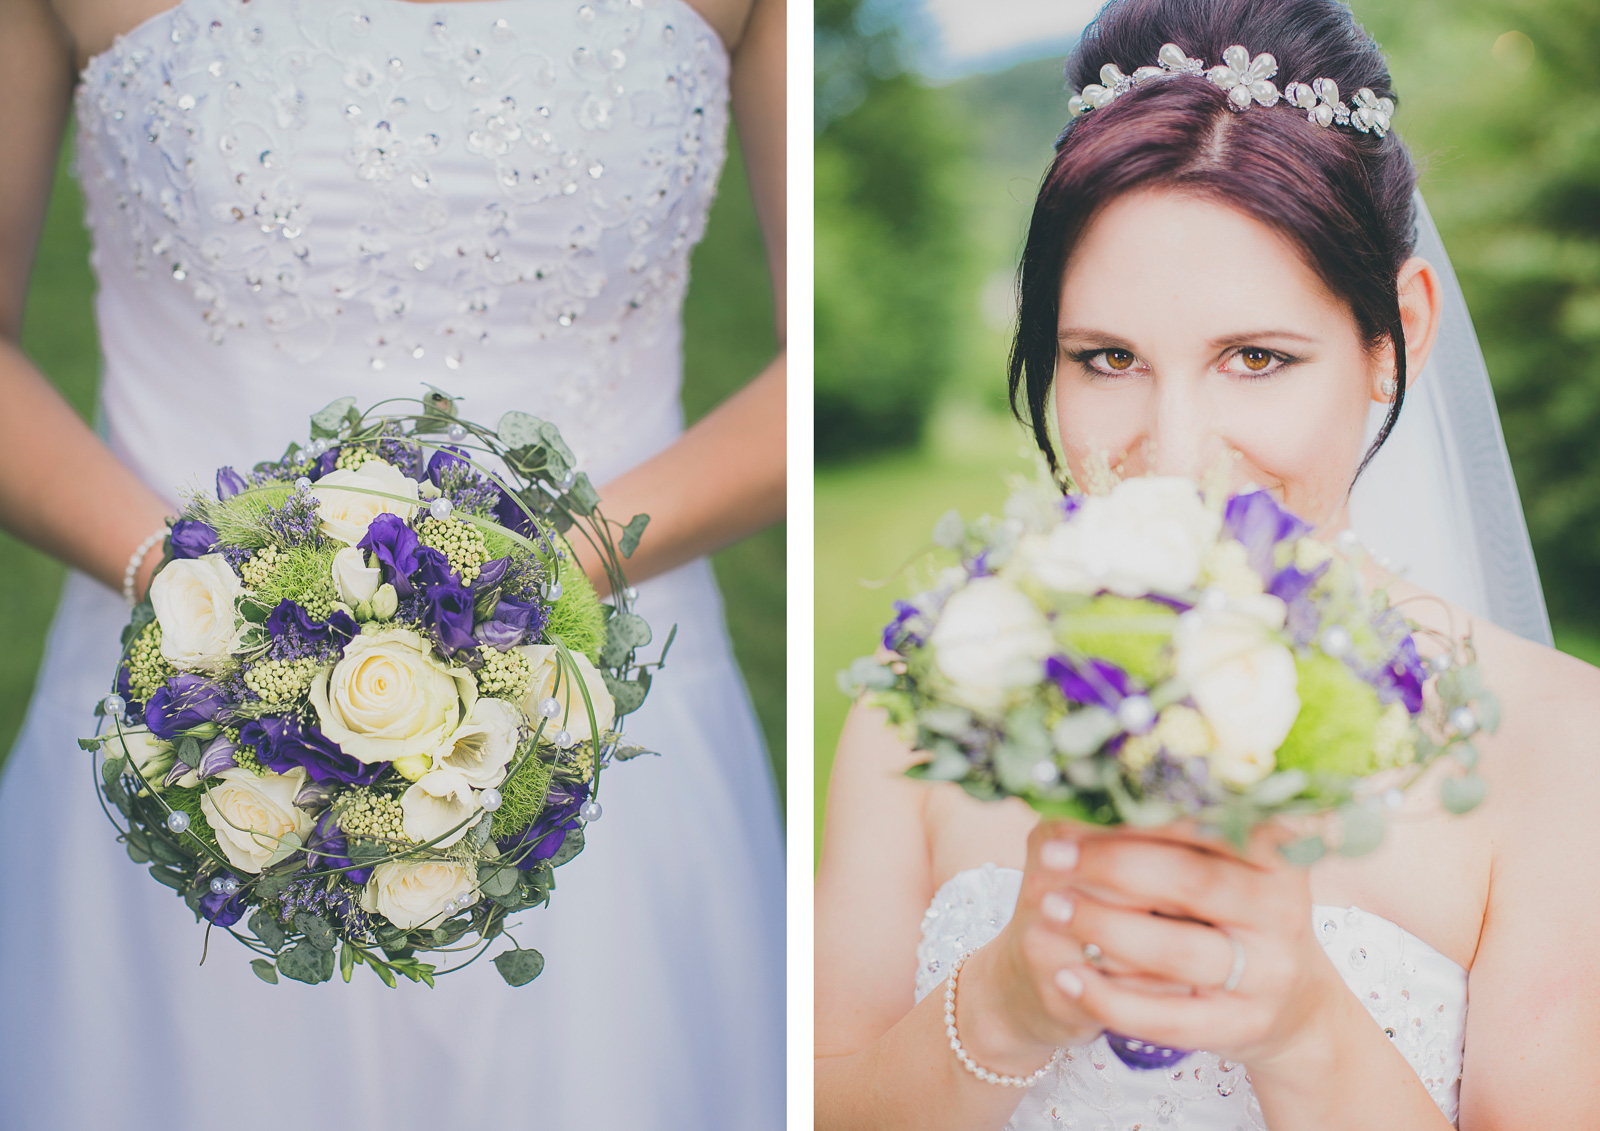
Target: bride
pixel 1201 276
pixel 294 201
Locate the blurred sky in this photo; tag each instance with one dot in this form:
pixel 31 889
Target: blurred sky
pixel 953 38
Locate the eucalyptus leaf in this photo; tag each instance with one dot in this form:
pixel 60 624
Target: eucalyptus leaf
pixel 265 970
pixel 1465 754
pixel 478 835
pixel 1487 708
pixel 624 633
pixel 266 927
pixel 1082 732
pixel 138 847
pixel 189 750
pixel 325 421
pixel 950 531
pixel 497 879
pixel 570 847
pixel 1278 788
pixel 1304 852
pixel 1463 794
pixel 317 930
pixel 1361 828
pixel 866 674
pixel 111 769
pixel 90 744
pixel 626 695
pixel 581 496
pixel 944 719
pixel 175 880
pixel 948 763
pixel 519 967
pixel 306 963
pixel 631 533
pixel 165 851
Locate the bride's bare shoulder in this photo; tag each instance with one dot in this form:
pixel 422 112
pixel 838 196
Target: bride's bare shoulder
pixel 1550 703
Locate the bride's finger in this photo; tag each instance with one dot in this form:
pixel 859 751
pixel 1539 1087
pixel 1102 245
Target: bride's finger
pixel 1161 1019
pixel 1169 950
pixel 1172 878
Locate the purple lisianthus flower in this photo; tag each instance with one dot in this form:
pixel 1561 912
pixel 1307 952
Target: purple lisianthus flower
pixel 1402 678
pixel 1293 587
pixel 323 464
pixel 511 623
pixel 433 568
pixel 192 538
pixel 446 457
pixel 1259 524
pixel 394 544
pixel 907 629
pixel 510 515
pixel 290 619
pixel 1094 682
pixel 135 708
pixel 328 847
pixel 449 617
pixel 229 483
pixel 218 755
pixel 543 838
pixel 283 742
pixel 183 702
pixel 490 574
pixel 225 910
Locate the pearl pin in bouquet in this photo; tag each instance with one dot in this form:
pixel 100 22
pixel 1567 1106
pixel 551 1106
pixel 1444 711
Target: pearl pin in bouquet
pixel 1159 652
pixel 363 712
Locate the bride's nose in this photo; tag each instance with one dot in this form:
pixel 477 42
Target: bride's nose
pixel 1179 430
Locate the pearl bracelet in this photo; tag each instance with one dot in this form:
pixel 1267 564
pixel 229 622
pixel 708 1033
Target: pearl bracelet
pixel 135 560
pixel 967 1062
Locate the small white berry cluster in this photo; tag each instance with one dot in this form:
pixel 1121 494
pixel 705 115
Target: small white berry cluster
pixel 966 1060
pixel 1246 80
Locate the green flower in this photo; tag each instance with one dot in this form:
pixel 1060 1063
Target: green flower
pixel 1130 632
pixel 1336 729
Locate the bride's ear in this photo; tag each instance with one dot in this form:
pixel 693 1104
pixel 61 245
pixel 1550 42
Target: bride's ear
pixel 1420 303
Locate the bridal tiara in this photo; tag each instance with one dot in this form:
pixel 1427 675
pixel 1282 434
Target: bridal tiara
pixel 1246 80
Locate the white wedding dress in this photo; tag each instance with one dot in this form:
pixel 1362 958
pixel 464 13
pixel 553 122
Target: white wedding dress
pixel 1415 993
pixel 295 200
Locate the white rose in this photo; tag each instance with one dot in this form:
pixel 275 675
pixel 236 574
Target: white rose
pixel 193 600
pixel 1149 535
pixel 251 814
pixel 482 746
pixel 389 697
pixel 436 803
pixel 989 640
pixel 413 895
pixel 550 681
pixel 346 515
pixel 355 580
pixel 1243 679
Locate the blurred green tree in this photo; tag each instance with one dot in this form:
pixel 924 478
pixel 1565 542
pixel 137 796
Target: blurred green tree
pixel 889 237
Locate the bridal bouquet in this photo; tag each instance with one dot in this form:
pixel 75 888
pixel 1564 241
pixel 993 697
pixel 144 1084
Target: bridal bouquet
pixel 365 706
pixel 1158 652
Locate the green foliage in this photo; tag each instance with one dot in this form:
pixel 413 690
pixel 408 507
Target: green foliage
pixel 522 797
pixel 302 575
pixel 889 240
pixel 1130 633
pixel 239 520
pixel 188 801
pixel 1338 715
pixel 519 967
pixel 578 619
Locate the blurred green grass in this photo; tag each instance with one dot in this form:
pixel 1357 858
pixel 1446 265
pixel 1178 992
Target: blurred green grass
pixel 728 336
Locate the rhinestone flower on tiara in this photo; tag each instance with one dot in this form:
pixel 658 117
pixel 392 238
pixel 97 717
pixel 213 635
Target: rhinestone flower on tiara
pixel 1245 80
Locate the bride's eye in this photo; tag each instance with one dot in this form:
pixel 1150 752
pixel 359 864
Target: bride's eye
pixel 1257 362
pixel 1111 362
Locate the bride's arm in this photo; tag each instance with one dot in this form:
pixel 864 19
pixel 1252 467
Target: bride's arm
pixel 60 488
pixel 881 1063
pixel 1534 1019
pixel 724 478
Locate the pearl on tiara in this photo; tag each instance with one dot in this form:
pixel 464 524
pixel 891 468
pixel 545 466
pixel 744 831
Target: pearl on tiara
pixel 1246 80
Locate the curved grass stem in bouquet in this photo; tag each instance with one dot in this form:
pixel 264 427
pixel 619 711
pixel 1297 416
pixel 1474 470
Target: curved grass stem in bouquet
pixel 363 712
pixel 1158 652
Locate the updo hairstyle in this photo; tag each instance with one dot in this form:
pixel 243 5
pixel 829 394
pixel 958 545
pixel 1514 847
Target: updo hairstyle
pixel 1343 197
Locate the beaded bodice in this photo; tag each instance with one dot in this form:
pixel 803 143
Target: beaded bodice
pixel 1415 993
pixel 298 199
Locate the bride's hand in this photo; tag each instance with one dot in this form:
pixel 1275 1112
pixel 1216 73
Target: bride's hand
pixel 1178 909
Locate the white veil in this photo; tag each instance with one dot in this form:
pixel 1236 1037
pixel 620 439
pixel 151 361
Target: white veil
pixel 1439 500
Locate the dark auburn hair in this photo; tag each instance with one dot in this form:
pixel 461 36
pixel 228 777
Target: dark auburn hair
pixel 1342 196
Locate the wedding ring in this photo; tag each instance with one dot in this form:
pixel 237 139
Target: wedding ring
pixel 1237 971
pixel 1092 954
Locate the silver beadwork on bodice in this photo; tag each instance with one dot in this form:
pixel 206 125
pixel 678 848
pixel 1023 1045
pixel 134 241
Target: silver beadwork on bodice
pixel 498 197
pixel 1417 994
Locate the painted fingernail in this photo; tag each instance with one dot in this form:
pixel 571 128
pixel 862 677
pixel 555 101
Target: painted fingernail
pixel 1070 983
pixel 1056 906
pixel 1062 855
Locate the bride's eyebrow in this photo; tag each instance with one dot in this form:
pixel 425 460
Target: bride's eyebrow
pixel 1113 341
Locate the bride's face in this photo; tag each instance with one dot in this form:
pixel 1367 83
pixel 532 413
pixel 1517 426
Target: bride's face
pixel 1187 328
